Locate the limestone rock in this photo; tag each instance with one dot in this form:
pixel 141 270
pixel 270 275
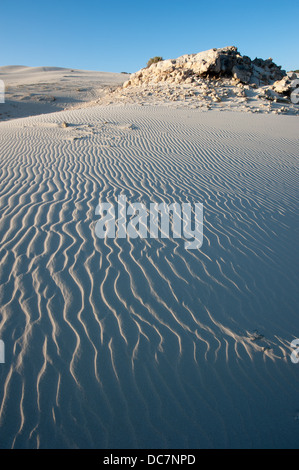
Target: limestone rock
pixel 284 86
pixel 220 79
pixel 225 62
pixel 292 75
pixel 242 73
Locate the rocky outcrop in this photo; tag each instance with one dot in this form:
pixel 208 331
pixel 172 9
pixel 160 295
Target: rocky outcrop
pixel 220 79
pixel 225 62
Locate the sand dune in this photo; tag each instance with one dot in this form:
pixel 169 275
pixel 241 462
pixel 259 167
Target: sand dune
pixel 123 343
pixel 39 90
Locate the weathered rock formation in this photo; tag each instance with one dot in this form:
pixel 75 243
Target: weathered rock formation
pixel 226 62
pixel 215 79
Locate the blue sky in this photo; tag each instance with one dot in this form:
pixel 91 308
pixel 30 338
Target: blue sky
pixel 121 36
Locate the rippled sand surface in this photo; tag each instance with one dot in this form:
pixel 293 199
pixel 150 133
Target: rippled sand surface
pixel 141 343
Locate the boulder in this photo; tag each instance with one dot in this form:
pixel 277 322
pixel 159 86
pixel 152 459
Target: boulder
pixel 284 86
pixel 292 75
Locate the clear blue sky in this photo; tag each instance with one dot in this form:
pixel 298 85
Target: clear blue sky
pixel 121 36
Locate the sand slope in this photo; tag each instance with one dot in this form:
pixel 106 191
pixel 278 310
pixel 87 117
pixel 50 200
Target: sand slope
pixel 141 343
pixel 38 90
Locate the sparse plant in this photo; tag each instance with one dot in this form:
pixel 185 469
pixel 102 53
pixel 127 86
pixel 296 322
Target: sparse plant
pixel 154 60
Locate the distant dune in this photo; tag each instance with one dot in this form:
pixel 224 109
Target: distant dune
pixel 41 90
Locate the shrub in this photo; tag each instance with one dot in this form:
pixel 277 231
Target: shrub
pixel 154 60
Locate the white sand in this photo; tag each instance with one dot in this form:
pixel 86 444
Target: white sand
pixel 39 90
pixel 141 343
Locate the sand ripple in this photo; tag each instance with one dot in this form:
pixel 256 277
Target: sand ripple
pixel 141 343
